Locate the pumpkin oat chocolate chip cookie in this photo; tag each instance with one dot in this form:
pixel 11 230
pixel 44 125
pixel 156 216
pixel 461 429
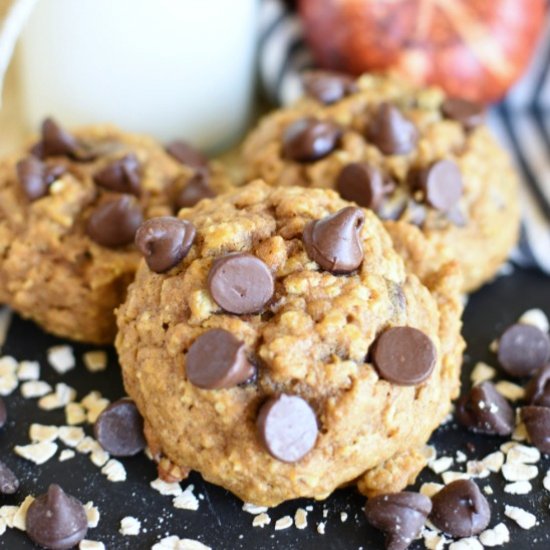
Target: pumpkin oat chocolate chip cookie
pixel 69 209
pixel 410 154
pixel 282 343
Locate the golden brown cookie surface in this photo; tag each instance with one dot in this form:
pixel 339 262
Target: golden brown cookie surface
pixel 224 393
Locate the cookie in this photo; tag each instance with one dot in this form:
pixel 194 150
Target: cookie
pixel 264 358
pixel 69 208
pixel 409 153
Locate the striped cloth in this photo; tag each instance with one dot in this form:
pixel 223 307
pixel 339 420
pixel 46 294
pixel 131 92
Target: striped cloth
pixel 521 122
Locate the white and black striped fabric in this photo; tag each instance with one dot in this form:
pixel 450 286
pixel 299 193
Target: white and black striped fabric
pixel 521 122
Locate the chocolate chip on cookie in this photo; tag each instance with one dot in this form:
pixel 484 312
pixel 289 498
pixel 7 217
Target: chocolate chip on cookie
pixel 57 141
pixel 287 426
pixel 328 86
pixel 469 114
pixel 523 349
pixel 334 241
pixel 310 139
pixel 404 356
pixel 196 189
pixel 8 480
pixel 56 520
pixel 187 155
pixel 119 429
pixel 216 360
pixel 240 283
pixel 364 184
pixel 538 388
pixel 391 132
pixel 537 423
pixel 460 509
pixel 164 242
pixel 122 175
pixel 441 184
pixel 485 410
pixel 400 516
pixel 115 222
pixel 35 176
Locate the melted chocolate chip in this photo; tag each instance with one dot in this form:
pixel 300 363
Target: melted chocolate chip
pixel 56 520
pixel 287 427
pixel 523 349
pixel 404 356
pixel 460 509
pixel 122 175
pixel 8 480
pixel 400 516
pixel 334 242
pixel 469 114
pixel 119 429
pixel 240 283
pixel 363 184
pixel 537 423
pixel 538 389
pixel 441 184
pixel 35 177
pixel 484 410
pixel 3 413
pixel 391 132
pixel 309 139
pixel 196 189
pixel 216 360
pixel 115 222
pixel 164 242
pixel 186 154
pixel 328 87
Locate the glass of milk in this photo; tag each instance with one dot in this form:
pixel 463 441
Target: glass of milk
pixel 169 68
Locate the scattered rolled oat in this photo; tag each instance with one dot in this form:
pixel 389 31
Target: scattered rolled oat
pixel 61 358
pixel 130 526
pixel 66 454
pixel 450 476
pixel 511 391
pixel 283 523
pixel 518 488
pixel 21 513
pixel 75 414
pixel 440 465
pixel 535 317
pixel 430 489
pixel 187 500
pixel 92 513
pixel 523 454
pixel 95 361
pixel 114 470
pixel 91 545
pixel 488 490
pixel 28 370
pixel 300 518
pixel 520 433
pixel 261 520
pixel 434 540
pixel 71 435
pixel 460 457
pixel 94 404
pixel 167 489
pixel 99 457
pixel 494 461
pixel 37 452
pixel 321 527
pixel 88 445
pixel 343 517
pixel 476 468
pixel 546 481
pixel 516 471
pixel 62 396
pixel 482 372
pixel 496 536
pixel 524 519
pixel 470 543
pixel 8 377
pixel 253 508
pixel 175 543
pixel 39 433
pixel 35 388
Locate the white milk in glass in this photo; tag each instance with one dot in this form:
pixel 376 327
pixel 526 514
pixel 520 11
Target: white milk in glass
pixel 170 68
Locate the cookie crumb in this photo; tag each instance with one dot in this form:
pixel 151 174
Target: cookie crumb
pixel 300 518
pixel 482 372
pixel 321 527
pixel 488 490
pixel 253 508
pixel 129 526
pixel 61 358
pixel 283 523
pixel 28 370
pixel 343 517
pixel 95 361
pixel 35 388
pixel 66 454
pixel 460 457
pixel 524 519
pixel 261 520
pixel 496 536
pixel 92 513
pixel 186 500
pixel 114 470
pixel 39 453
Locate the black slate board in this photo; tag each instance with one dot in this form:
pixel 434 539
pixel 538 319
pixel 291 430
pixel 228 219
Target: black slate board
pixel 220 522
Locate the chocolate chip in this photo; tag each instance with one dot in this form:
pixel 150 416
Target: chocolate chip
pixel 164 242
pixel 391 132
pixel 460 509
pixel 537 423
pixel 523 349
pixel 196 189
pixel 328 86
pixel 216 360
pixel 309 139
pixel 469 114
pixel 56 520
pixel 35 177
pixel 56 141
pixel 484 410
pixel 287 427
pixel 3 413
pixel 8 480
pixel 441 184
pixel 363 184
pixel 404 356
pixel 119 429
pixel 538 389
pixel 400 516
pixel 115 222
pixel 334 242
pixel 186 154
pixel 122 175
pixel 240 283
